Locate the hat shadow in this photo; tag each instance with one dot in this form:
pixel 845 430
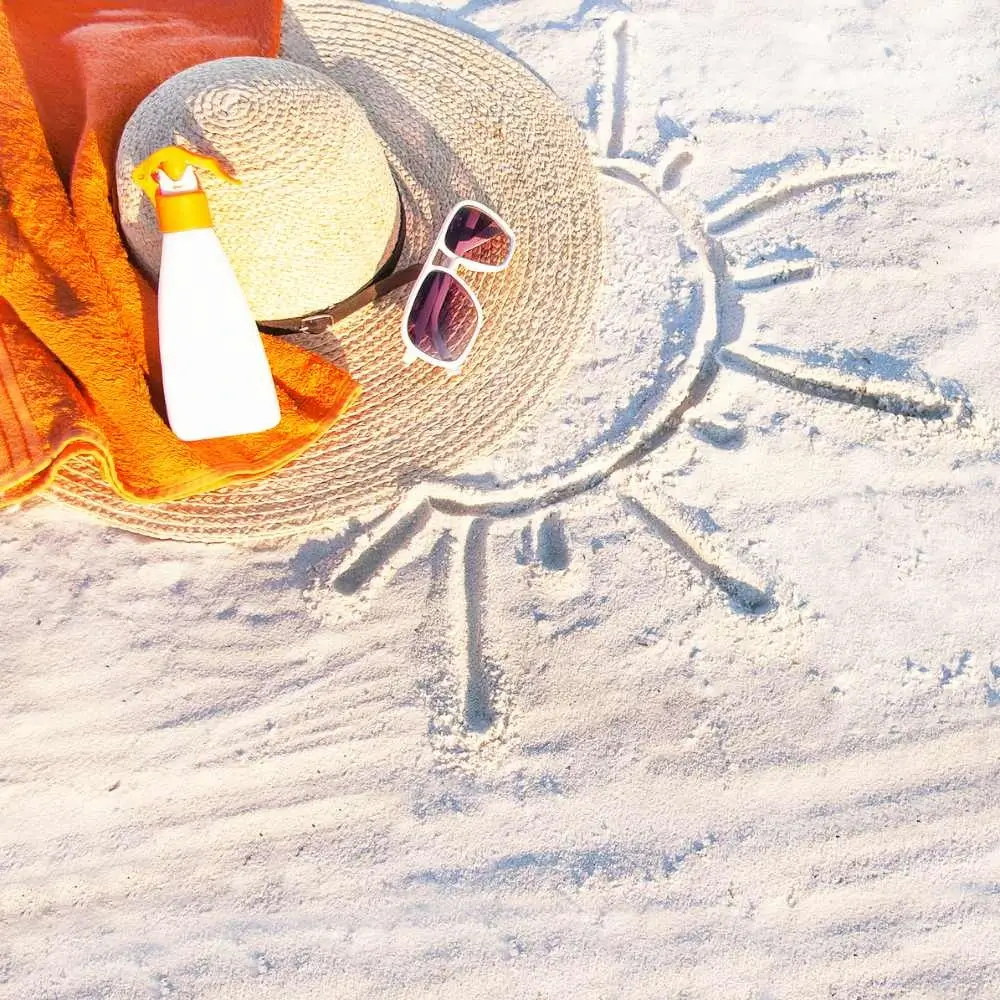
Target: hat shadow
pixel 420 156
pixel 458 21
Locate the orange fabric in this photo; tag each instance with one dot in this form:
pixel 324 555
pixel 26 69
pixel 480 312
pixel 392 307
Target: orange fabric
pixel 78 340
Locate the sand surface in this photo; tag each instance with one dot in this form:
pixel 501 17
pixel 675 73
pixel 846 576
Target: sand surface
pixel 722 722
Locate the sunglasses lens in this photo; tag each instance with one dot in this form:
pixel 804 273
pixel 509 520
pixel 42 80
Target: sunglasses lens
pixel 443 318
pixel 475 235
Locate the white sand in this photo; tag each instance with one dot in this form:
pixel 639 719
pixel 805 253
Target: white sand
pixel 723 725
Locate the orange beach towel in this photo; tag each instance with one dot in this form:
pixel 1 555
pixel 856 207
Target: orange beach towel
pixel 78 358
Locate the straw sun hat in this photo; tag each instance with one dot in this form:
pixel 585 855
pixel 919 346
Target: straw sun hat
pixel 365 102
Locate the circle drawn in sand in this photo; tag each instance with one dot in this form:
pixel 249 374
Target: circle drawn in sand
pixel 652 363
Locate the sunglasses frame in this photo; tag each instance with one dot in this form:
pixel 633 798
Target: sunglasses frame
pixel 454 262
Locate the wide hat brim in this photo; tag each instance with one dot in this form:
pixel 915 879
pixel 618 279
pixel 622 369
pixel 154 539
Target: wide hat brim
pixel 458 119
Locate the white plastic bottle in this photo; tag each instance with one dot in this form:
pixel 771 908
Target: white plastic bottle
pixel 216 378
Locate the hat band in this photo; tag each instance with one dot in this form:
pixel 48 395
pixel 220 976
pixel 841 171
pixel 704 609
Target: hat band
pixel 385 280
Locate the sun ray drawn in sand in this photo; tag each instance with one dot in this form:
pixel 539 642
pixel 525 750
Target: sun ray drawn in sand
pixel 472 697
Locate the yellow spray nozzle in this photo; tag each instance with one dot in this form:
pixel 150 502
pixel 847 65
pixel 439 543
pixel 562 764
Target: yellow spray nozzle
pixel 173 161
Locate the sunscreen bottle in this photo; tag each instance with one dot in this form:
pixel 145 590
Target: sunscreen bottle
pixel 216 379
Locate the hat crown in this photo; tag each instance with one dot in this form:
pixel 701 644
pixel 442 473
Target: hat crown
pixel 317 212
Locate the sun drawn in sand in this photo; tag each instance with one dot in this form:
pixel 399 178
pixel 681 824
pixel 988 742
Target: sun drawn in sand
pixel 695 332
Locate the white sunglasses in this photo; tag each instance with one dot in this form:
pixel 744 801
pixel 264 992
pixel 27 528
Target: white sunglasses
pixel 443 317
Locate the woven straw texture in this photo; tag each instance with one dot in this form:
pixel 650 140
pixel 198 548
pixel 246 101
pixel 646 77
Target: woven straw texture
pixel 295 140
pixel 457 119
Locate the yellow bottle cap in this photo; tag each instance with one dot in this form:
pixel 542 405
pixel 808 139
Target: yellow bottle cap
pixel 182 210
